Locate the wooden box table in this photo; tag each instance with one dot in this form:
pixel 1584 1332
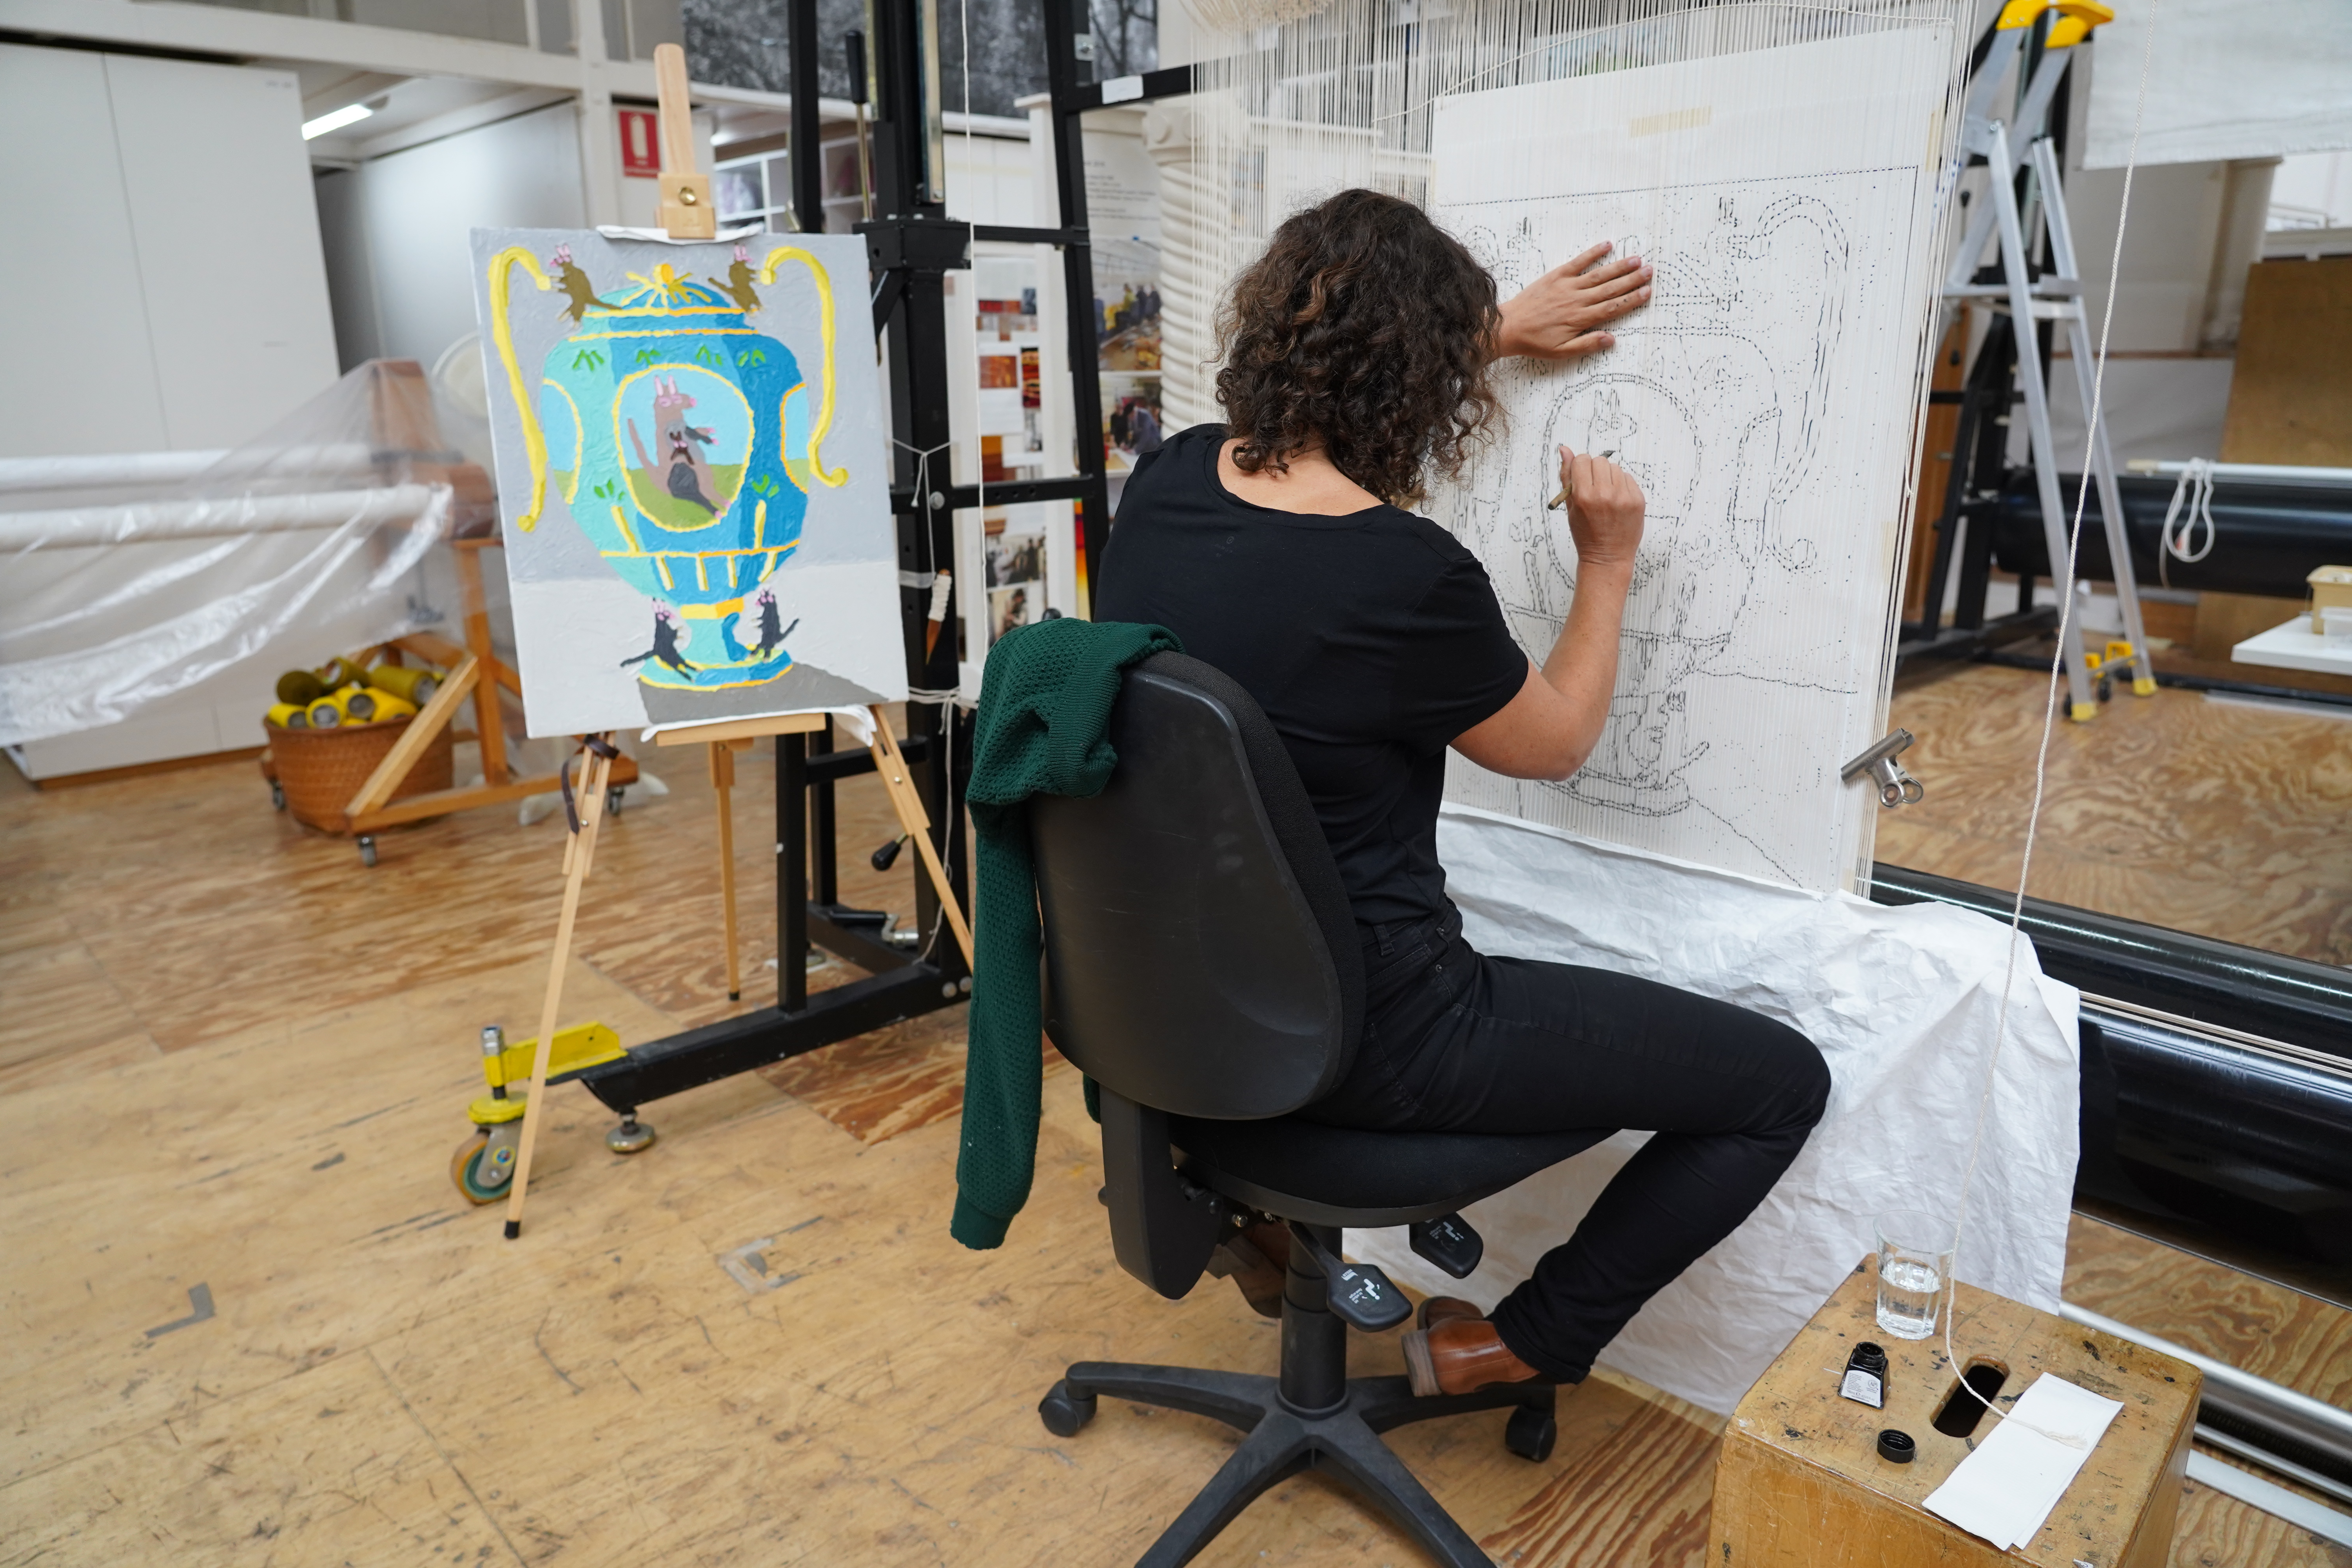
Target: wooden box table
pixel 1799 1483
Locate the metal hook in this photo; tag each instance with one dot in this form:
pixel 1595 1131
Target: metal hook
pixel 1896 787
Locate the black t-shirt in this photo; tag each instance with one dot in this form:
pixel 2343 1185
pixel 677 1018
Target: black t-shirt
pixel 1371 640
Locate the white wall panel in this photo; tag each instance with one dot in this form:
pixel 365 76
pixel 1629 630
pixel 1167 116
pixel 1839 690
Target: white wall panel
pixel 218 188
pixel 417 209
pixel 83 377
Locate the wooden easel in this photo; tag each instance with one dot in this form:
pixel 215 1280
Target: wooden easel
pixel 889 765
pixel 687 213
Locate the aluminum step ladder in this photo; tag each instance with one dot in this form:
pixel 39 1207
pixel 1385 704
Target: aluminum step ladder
pixel 2056 296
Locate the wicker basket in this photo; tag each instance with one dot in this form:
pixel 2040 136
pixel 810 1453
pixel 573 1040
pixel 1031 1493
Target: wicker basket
pixel 321 770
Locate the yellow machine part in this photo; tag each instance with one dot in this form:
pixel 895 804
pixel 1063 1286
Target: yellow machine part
pixel 578 1048
pixel 2076 19
pixel 490 1111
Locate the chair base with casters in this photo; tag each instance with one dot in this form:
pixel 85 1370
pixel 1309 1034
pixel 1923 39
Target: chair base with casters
pixel 1313 1415
pixel 1169 1211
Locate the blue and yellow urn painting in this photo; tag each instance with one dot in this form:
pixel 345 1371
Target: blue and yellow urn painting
pixel 691 476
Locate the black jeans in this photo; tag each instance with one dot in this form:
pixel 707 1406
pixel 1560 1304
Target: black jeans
pixel 1455 1041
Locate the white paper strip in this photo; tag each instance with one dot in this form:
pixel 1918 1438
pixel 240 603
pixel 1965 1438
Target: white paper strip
pixel 2007 1488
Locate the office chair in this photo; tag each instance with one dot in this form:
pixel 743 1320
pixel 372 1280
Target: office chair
pixel 1202 968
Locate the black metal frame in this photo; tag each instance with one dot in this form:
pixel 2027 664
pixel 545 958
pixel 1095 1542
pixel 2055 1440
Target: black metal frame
pixel 910 248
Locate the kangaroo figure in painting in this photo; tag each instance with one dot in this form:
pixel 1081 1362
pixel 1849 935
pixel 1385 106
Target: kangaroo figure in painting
pixel 671 635
pixel 576 286
pixel 688 472
pixel 738 283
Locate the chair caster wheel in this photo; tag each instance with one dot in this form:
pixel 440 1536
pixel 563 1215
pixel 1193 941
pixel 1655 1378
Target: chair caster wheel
pixel 367 849
pixel 1531 1434
pixel 1065 1413
pixel 277 794
pixel 631 1137
pixel 613 801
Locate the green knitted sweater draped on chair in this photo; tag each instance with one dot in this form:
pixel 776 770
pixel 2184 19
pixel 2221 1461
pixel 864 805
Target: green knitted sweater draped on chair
pixel 1042 728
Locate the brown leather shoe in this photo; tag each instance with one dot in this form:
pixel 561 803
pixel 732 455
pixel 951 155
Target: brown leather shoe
pixel 1446 1309
pixel 1461 1356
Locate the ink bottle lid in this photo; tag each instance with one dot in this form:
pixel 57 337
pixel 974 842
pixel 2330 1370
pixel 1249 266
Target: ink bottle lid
pixel 1896 1447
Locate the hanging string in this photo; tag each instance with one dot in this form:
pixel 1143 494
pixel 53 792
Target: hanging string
pixel 2049 727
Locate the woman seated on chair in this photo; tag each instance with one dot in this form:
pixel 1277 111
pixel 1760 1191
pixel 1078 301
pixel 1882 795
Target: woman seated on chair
pixel 1279 547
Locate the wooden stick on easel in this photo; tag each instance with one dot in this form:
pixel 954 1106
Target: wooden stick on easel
pixel 686 213
pixel 890 766
pixel 722 781
pixel 579 852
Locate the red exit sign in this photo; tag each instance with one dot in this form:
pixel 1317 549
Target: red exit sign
pixel 640 143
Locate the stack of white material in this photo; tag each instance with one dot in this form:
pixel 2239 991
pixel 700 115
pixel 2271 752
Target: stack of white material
pixel 1901 1001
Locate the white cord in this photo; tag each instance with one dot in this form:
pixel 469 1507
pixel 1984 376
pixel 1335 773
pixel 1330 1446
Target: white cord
pixel 2195 487
pixel 2042 756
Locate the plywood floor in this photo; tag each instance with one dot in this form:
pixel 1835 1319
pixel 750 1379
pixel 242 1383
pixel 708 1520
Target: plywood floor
pixel 2219 818
pixel 236 1060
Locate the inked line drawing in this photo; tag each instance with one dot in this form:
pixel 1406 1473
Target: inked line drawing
pixel 1722 398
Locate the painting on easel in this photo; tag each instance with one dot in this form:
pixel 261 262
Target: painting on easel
pixel 691 476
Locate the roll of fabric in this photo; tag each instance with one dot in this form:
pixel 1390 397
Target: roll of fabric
pixel 417 686
pixel 288 715
pixel 300 688
pixel 373 705
pixel 329 711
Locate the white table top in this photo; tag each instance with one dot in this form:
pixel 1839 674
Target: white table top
pixel 2293 646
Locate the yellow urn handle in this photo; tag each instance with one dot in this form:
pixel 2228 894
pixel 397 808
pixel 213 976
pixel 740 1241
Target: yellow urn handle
pixel 534 439
pixel 836 477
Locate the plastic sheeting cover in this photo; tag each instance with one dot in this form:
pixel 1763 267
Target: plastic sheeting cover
pixel 1901 1001
pixel 126 584
pixel 2224 81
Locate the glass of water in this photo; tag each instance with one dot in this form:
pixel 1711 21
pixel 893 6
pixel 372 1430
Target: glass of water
pixel 1914 1270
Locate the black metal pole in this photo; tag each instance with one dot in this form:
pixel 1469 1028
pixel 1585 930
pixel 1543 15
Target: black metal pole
pixel 1084 328
pixel 806 147
pixel 824 859
pixel 791 872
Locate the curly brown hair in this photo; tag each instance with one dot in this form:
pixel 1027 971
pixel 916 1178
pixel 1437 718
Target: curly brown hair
pixel 1366 328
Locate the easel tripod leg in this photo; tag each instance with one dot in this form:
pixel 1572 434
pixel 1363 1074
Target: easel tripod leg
pixel 577 856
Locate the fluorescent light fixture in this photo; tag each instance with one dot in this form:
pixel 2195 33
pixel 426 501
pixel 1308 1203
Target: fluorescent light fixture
pixel 350 115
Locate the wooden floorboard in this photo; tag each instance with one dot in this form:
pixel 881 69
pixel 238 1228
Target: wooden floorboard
pixel 2203 817
pixel 231 1057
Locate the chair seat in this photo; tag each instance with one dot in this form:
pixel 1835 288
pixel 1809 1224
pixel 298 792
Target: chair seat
pixel 1347 1176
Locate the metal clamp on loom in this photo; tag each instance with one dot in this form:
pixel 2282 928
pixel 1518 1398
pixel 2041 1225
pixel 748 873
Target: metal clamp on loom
pixel 1896 787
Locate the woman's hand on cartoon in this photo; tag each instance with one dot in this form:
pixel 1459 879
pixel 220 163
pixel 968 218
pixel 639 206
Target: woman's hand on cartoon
pixel 1561 314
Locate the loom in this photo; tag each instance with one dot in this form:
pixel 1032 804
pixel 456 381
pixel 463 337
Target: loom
pixel 1785 167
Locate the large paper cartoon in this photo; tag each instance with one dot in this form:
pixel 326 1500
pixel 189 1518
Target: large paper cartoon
pixel 692 477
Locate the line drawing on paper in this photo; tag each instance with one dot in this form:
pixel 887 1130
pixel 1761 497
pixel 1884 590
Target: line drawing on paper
pixel 1724 398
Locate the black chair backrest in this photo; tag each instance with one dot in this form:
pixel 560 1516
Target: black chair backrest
pixel 1201 955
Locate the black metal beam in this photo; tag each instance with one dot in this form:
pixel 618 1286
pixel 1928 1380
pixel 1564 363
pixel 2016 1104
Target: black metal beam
pixel 961 497
pixel 1170 82
pixel 2218 983
pixel 737 1044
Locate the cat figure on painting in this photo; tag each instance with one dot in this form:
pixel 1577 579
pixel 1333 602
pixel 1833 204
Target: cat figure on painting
pixel 671 635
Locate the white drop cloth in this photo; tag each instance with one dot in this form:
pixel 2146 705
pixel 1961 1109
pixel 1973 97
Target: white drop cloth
pixel 1902 1003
